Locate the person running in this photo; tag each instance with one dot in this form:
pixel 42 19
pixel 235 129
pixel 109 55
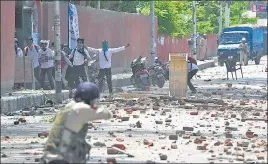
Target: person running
pixel 192 70
pixel 105 63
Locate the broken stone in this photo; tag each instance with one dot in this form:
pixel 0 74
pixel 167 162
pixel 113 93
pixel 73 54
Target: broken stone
pixel 99 144
pixel 138 124
pixel 226 123
pixel 155 107
pixel 173 137
pixel 163 157
pixel 43 134
pixel 186 136
pixel 228 135
pixel 119 139
pixel 111 151
pixel 119 146
pixel 125 119
pixel 193 113
pixel 135 116
pixel 159 122
pixel 198 141
pixel 188 128
pixel 233 115
pixel 168 120
pixel 162 137
pixel 111 160
pixel 242 102
pixel 167 109
pixel 198 133
pixel 3 155
pixel 174 146
pixel 256 114
pixel 231 129
pixel 180 132
pixel 201 147
pixel 188 106
pixel 16 122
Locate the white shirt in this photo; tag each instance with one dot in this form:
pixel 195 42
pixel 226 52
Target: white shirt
pixel 103 63
pixel 191 66
pixel 19 52
pixel 79 58
pixel 34 54
pixel 46 58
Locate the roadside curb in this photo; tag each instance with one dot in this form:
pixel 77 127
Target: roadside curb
pixel 32 98
pixel 16 103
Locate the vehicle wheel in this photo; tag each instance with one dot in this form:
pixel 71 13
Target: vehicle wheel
pixel 221 63
pixel 257 60
pixel 161 81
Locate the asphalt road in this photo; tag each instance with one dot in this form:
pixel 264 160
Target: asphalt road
pixel 217 128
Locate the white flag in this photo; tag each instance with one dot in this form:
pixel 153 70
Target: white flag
pixel 73 26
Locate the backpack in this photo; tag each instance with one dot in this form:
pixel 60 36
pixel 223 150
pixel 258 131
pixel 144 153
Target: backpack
pixel 27 49
pixel 192 60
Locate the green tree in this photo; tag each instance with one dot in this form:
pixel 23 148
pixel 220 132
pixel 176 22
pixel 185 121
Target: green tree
pixel 237 10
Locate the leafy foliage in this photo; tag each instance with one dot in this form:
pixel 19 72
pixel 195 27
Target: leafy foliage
pixel 175 17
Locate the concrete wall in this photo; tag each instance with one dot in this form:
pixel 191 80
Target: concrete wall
pixel 96 25
pixel 7 45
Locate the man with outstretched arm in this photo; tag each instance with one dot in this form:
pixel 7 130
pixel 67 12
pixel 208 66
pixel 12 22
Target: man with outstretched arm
pixel 105 63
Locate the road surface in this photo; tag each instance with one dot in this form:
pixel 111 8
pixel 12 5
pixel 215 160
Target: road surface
pixel 213 130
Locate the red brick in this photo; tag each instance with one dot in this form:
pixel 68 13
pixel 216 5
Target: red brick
pixel 198 141
pixel 119 146
pixel 194 113
pixel 119 139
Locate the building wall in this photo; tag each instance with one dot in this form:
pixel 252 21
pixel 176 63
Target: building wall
pixel 98 25
pixel 167 44
pixel 7 45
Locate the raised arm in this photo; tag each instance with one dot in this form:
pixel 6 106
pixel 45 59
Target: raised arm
pixel 115 50
pixel 67 60
pixel 86 113
pixel 72 54
pixel 94 50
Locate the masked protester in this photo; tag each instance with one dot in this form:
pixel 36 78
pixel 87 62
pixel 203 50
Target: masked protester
pixel 32 50
pixel 192 70
pixel 105 63
pixel 66 142
pixel 46 58
pixel 18 51
pixel 79 57
pixel 243 52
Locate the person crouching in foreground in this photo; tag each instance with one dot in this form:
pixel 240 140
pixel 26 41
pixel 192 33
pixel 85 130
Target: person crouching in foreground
pixel 66 142
pixel 192 70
